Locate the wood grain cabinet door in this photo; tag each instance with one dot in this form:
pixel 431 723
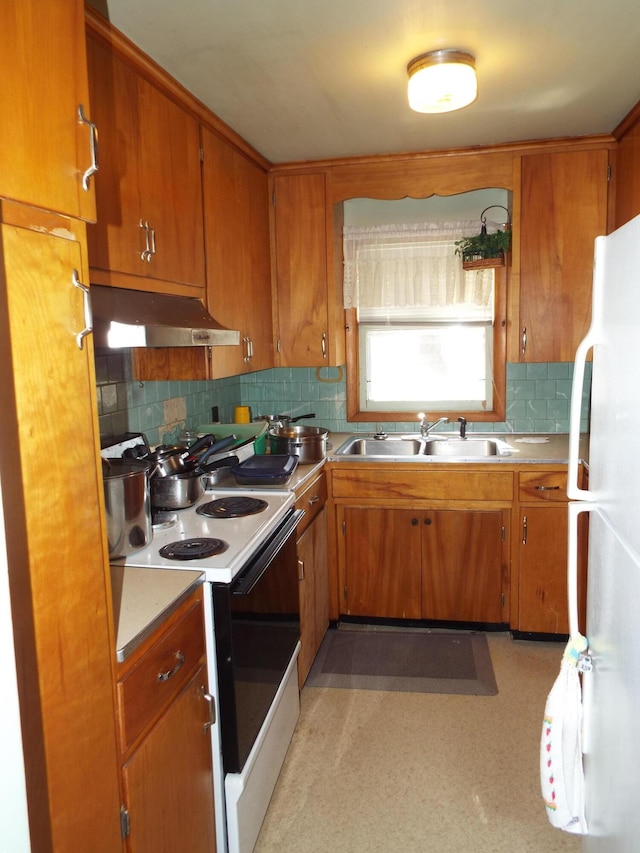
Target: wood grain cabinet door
pixel 44 148
pixel 564 208
pixel 383 562
pixel 169 780
pixel 543 569
pixel 462 565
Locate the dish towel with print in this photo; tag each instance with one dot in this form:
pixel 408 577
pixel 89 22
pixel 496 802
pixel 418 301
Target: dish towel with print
pixel 561 768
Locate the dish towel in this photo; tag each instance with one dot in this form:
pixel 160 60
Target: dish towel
pixel 561 769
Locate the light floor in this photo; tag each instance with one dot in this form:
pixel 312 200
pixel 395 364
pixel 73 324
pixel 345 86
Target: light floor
pixel 371 771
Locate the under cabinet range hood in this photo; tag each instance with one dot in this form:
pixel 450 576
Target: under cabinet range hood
pixel 136 318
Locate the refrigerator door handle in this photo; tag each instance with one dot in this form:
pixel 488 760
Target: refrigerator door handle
pixel 572 566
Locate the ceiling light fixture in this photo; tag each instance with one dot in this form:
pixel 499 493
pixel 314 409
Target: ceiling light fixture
pixel 442 81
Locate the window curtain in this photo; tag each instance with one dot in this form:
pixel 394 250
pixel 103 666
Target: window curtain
pixel 402 272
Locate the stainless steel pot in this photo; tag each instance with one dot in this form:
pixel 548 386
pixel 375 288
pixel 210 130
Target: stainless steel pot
pixel 176 491
pixel 127 505
pixel 309 444
pixel 177 459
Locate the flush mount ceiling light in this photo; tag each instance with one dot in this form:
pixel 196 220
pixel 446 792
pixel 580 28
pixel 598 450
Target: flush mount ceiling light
pixel 442 81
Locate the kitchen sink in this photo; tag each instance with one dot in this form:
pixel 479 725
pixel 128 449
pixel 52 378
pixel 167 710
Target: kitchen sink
pixel 381 447
pixel 462 447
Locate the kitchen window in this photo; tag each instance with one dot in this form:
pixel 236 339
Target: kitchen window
pixel 423 334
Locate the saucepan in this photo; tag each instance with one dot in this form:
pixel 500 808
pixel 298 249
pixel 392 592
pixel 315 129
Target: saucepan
pixel 308 443
pixel 283 420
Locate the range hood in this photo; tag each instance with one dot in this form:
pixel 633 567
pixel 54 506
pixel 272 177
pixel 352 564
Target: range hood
pixel 135 318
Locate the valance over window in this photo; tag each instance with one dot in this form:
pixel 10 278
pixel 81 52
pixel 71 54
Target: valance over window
pixel 411 272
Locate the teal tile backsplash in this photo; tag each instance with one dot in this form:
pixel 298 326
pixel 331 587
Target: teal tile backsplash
pixel 538 397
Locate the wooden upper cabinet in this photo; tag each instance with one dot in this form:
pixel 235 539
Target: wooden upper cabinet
pixel 148 189
pixel 309 295
pixel 236 202
pixel 564 208
pixel 44 148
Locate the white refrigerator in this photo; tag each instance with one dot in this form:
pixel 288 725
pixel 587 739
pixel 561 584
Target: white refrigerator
pixel 610 688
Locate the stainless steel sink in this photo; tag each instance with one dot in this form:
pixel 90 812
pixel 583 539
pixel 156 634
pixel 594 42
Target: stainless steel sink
pixel 462 447
pixel 381 447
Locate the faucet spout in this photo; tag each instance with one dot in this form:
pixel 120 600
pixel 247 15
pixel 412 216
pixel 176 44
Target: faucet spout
pixel 426 427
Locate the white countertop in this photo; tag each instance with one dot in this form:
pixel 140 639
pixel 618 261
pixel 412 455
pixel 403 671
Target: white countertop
pixel 143 598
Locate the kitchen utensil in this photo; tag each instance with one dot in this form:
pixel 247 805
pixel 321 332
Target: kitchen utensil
pixel 176 491
pixel 217 447
pixel 283 420
pixel 216 471
pixel 309 444
pixel 127 505
pixel 174 459
pixel 272 470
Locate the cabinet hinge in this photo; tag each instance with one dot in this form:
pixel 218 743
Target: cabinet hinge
pixel 344 528
pixel 201 154
pixel 503 534
pixel 502 599
pixel 609 172
pixel 344 592
pixel 273 198
pixel 125 823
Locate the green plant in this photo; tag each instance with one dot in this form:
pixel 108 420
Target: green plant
pixel 484 245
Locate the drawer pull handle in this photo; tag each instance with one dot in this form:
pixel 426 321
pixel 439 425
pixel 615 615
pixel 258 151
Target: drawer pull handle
pixel 548 488
pixel 314 500
pixel 165 676
pixel 208 698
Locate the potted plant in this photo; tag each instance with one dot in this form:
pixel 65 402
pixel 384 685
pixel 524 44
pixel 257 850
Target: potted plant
pixel 484 250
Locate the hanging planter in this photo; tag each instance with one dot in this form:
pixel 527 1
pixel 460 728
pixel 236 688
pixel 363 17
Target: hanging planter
pixel 483 250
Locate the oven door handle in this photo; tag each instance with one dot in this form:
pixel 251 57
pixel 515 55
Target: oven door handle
pixel 258 565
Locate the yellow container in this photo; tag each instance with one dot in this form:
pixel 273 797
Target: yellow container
pixel 242 414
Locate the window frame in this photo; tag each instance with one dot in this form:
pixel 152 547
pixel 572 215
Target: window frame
pixel 498 411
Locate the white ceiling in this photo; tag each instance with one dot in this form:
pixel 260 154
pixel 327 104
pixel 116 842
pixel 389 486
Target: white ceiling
pixel 313 79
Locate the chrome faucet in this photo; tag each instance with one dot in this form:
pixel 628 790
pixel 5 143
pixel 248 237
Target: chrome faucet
pixel 426 427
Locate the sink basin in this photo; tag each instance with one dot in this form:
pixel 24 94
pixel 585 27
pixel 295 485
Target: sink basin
pixel 462 447
pixel 382 447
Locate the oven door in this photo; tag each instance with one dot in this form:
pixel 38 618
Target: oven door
pixel 257 627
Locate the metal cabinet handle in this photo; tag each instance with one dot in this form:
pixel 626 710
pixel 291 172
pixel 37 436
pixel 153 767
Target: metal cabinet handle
pixel 152 232
pixel 250 348
pixel 145 255
pixel 165 676
pixel 208 698
pixel 247 357
pixel 88 312
pixel 548 488
pixel 314 500
pixel 524 530
pixel 300 570
pixel 323 343
pixel 93 140
pixel 524 340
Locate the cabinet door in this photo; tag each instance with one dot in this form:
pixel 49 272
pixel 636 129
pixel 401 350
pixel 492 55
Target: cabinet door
pixel 383 560
pixel 45 148
pixel 313 574
pixel 543 569
pixel 564 207
pixel 168 780
pixel 462 565
pixel 301 270
pixel 56 546
pixel 149 174
pixel 237 249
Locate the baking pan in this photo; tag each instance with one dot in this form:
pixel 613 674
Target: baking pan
pixel 271 470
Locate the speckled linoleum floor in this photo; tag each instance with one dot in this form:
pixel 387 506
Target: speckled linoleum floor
pixel 401 772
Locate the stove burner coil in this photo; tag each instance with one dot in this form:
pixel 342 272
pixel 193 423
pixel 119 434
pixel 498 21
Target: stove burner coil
pixel 232 507
pixel 193 549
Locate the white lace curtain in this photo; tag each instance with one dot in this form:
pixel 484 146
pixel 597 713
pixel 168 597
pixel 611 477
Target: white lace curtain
pixel 412 271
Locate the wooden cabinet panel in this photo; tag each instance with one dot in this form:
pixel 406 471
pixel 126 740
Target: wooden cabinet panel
pixel 314 591
pixel 55 543
pixel 543 570
pixel 236 201
pixel 383 563
pixel 564 207
pixel 389 483
pixel 311 500
pixel 310 332
pixel 45 148
pixel 149 174
pixel 462 566
pixel 542 486
pixel 168 780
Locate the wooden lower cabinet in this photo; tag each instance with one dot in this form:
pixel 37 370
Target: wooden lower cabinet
pixel 443 565
pixel 313 573
pixel 165 741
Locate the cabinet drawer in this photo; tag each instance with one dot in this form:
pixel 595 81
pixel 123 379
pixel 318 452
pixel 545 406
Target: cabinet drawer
pixel 542 486
pixel 160 674
pixel 311 500
pixel 449 485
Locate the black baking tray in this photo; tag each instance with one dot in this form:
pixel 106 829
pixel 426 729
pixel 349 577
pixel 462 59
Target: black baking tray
pixel 268 470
